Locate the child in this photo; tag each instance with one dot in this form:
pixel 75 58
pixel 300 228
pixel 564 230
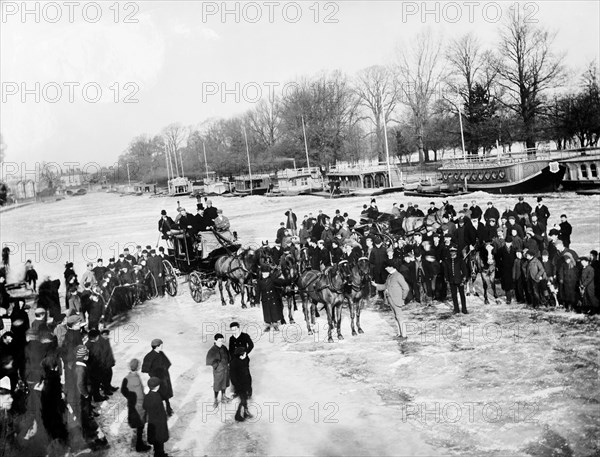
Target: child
pixel 133 390
pixel 218 358
pixel 31 276
pixel 158 431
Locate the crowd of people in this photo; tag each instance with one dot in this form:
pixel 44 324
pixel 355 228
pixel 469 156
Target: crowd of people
pixel 532 260
pixel 57 369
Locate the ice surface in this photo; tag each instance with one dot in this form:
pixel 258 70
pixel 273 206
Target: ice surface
pixel 365 395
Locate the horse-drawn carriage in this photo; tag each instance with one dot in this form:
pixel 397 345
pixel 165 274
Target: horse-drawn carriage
pixel 194 257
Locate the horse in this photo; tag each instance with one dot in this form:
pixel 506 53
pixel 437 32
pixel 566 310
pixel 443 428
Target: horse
pixel 418 224
pixel 327 288
pixel 482 262
pixel 358 290
pixel 289 267
pixel 237 270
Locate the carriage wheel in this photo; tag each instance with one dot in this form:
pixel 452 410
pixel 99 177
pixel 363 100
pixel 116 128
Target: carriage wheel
pixel 197 289
pixel 170 278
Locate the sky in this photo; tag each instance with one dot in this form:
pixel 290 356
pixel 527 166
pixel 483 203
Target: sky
pixel 80 82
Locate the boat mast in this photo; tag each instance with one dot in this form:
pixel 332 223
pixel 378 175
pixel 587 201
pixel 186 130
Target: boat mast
pixel 462 135
pixel 128 177
pixel 181 160
pixel 387 152
pixel 205 162
pixel 248 154
pixel 305 145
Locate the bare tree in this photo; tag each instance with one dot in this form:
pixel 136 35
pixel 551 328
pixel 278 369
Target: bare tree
pixel 527 68
pixel 175 135
pixel 378 94
pixel 420 70
pixel 264 121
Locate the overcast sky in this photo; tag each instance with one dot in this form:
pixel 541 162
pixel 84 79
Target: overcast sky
pixel 167 62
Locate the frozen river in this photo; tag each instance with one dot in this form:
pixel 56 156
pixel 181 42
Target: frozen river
pixel 500 381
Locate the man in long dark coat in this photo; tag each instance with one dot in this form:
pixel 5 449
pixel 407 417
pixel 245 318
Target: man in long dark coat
pixel 155 266
pixel 158 430
pixel 506 260
pixel 268 291
pixel 377 259
pixel 455 270
pixel 156 364
pixel 242 382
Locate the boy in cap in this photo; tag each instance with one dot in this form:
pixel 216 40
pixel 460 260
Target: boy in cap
pixel 156 364
pixel 218 358
pixel 158 430
pixel 132 389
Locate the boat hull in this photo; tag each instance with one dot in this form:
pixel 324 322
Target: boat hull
pixel 533 176
pixel 257 191
pixel 581 185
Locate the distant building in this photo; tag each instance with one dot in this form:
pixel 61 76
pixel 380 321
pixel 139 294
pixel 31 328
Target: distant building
pixel 24 189
pixel 73 178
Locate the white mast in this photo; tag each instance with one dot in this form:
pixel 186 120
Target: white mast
pixel 205 162
pixel 248 154
pixel 305 145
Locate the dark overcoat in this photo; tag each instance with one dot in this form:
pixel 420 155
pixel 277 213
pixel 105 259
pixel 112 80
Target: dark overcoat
pixel 156 364
pixel 158 431
pixel 218 358
pixel 269 293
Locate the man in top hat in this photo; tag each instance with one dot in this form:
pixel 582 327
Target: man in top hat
pixel 165 224
pixel 156 364
pixel 377 259
pixel 456 273
pixel 542 211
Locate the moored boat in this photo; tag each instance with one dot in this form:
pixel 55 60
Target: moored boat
pixel 255 185
pixel 507 173
pixel 582 171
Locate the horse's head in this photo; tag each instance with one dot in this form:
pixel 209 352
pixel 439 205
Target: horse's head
pixel 337 278
pixel 364 267
pixel 345 268
pixel 289 266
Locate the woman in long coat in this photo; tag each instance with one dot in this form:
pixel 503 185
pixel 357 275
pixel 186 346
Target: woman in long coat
pixel 268 291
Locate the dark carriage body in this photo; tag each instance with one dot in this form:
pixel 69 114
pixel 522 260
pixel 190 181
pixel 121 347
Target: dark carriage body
pixel 194 257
